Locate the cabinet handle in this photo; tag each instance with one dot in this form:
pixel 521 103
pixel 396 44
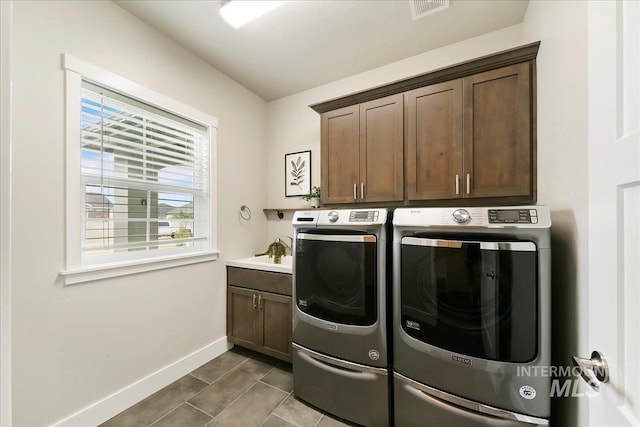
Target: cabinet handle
pixel 254 301
pixel 468 183
pixel 362 190
pixel 457 184
pixel 355 191
pixel 260 299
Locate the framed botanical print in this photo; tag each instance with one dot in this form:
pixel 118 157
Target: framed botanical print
pixel 297 174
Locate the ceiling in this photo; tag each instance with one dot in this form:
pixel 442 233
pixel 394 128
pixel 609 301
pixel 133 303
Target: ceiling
pixel 307 43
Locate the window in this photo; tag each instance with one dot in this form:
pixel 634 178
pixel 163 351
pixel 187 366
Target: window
pixel 139 177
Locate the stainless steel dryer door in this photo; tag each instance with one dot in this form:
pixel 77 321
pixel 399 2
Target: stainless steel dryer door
pixel 473 298
pixel 336 276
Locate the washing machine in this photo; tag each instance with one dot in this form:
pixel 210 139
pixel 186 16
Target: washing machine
pixel 471 316
pixel 340 314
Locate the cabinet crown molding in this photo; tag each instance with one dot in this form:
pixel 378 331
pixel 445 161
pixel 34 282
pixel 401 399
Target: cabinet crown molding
pixel 512 56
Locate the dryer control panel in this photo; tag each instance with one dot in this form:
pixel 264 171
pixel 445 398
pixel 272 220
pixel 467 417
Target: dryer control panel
pixel 531 217
pixel 513 216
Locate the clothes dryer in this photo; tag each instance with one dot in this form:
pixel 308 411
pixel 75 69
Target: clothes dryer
pixel 471 316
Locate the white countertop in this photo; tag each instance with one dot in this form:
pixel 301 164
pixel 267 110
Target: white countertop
pixel 264 263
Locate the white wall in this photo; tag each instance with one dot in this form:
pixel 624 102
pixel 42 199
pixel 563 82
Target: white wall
pixel 561 26
pixel 293 126
pixel 75 345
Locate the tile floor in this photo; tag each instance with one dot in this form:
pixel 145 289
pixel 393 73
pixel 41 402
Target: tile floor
pixel 238 388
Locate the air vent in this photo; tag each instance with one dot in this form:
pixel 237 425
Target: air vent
pixel 422 8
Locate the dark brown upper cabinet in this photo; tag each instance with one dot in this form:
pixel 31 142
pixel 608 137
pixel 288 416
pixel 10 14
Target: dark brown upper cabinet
pixel 469 132
pixel 470 137
pixel 362 152
pixel 434 141
pixel 340 154
pixel 497 158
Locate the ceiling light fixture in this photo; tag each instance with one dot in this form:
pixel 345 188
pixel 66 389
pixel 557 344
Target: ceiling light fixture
pixel 239 12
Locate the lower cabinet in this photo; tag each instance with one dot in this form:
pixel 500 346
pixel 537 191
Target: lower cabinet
pixel 257 318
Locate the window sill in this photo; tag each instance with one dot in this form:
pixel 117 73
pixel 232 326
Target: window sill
pixel 105 271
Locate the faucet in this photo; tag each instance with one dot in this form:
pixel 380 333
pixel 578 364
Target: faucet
pixel 289 246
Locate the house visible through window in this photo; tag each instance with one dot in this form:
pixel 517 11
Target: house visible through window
pixel 145 177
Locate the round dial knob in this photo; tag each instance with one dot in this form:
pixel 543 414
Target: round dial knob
pixel 461 216
pixel 333 216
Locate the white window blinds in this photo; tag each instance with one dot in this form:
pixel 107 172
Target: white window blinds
pixel 145 177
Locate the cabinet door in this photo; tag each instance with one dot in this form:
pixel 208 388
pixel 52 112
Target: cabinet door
pixel 242 316
pixel 274 325
pixel 434 142
pixel 497 133
pixel 340 154
pixel 381 150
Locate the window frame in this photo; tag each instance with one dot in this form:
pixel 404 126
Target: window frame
pixel 77 70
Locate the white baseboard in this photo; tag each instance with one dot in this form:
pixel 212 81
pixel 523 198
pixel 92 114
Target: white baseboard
pixel 112 405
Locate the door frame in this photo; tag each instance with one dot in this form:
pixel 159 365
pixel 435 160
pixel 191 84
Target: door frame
pixel 6 21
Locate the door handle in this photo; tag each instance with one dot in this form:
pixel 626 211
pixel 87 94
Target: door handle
pixel 260 299
pixel 254 301
pixel 468 183
pixel 362 190
pixel 355 191
pixel 593 370
pixel 457 184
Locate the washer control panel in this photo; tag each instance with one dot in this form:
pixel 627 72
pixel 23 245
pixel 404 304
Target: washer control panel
pixel 340 217
pixel 363 216
pixel 513 216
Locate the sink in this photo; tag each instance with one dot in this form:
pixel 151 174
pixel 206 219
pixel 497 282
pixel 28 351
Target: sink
pixel 265 263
